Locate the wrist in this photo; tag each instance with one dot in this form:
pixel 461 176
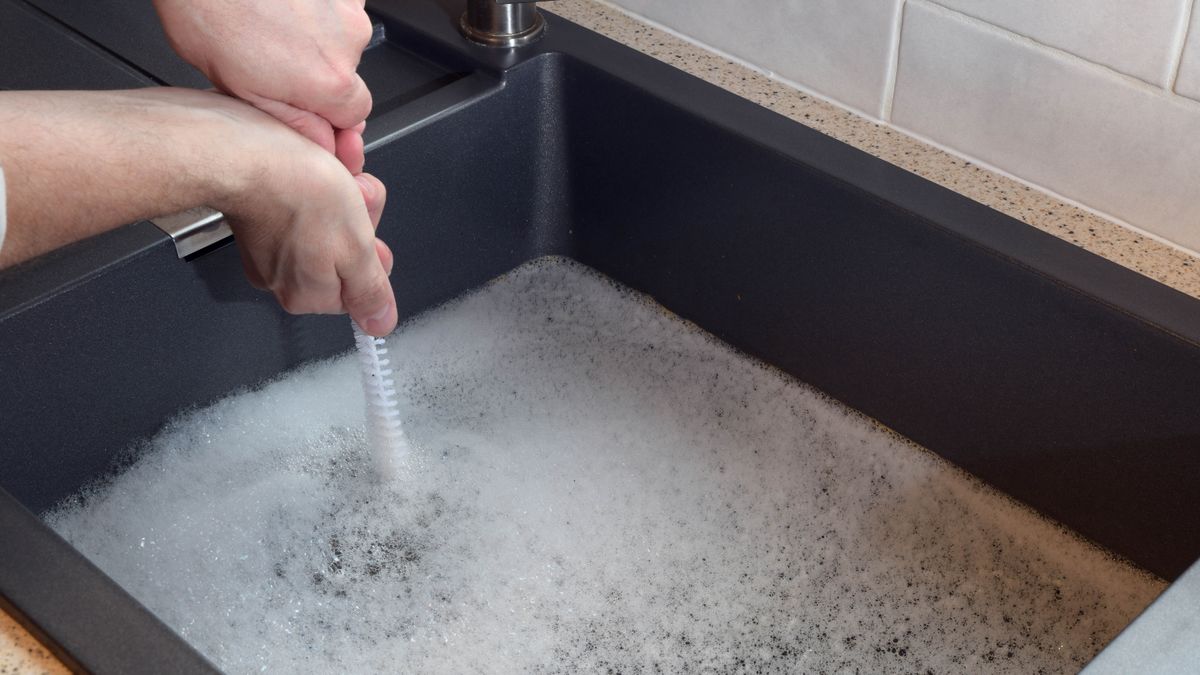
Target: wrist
pixel 216 156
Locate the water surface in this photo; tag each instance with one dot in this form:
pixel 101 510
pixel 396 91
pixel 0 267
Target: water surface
pixel 596 485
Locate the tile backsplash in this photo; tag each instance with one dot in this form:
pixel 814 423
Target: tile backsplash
pixel 1134 38
pixel 1188 83
pixel 1097 101
pixel 810 42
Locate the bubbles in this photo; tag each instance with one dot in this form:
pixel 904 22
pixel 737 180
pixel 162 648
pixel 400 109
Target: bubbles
pixel 593 485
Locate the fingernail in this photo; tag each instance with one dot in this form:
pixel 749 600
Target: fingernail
pixel 364 184
pixel 378 323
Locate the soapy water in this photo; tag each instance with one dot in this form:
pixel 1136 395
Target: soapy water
pixel 593 486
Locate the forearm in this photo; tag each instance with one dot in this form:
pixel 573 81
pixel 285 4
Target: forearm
pixel 79 163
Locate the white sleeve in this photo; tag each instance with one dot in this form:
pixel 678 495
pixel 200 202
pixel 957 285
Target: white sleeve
pixel 3 208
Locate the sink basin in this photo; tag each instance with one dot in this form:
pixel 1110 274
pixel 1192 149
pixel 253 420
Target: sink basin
pixel 1058 377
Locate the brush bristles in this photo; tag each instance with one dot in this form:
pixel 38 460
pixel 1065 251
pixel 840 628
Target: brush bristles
pixel 384 431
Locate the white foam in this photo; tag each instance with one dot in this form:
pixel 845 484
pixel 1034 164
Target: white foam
pixel 596 486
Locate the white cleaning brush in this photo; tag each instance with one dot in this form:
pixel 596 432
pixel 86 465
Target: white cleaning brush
pixel 384 433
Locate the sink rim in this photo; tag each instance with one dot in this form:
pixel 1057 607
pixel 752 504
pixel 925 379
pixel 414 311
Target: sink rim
pixel 1089 276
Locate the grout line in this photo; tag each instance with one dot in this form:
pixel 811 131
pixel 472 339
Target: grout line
pixel 889 84
pixel 1030 43
pixel 737 60
pixel 1179 43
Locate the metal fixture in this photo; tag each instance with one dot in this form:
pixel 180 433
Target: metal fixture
pixel 194 230
pixel 502 23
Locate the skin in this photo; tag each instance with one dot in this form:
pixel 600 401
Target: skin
pixel 83 162
pixel 78 163
pixel 295 60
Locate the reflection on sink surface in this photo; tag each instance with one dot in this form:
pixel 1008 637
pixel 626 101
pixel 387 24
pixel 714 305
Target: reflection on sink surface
pixel 1054 376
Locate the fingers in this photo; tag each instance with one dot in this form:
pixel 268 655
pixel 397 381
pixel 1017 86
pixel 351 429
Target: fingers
pixel 309 296
pixel 299 65
pixel 385 256
pixel 374 196
pixel 340 95
pixel 349 149
pixel 345 144
pixel 367 294
pixel 345 100
pixel 325 261
pixel 307 124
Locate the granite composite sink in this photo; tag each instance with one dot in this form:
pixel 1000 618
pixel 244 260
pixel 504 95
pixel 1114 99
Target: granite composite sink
pixel 1058 377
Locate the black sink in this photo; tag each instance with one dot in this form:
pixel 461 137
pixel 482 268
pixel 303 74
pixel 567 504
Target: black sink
pixel 1064 380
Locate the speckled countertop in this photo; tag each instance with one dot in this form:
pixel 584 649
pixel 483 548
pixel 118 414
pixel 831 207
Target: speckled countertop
pixel 20 653
pixel 1120 244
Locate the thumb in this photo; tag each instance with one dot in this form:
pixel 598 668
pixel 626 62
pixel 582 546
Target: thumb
pixel 307 124
pixel 367 294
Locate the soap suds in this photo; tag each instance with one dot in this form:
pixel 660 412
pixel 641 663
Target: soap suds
pixel 593 485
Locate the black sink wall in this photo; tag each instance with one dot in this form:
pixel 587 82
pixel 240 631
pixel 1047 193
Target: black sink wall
pixel 1085 413
pixel 1079 410
pixel 38 53
pixel 1059 377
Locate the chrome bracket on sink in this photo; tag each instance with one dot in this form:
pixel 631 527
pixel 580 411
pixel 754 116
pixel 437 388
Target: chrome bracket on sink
pixel 194 230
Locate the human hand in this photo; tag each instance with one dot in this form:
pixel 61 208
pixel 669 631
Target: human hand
pixel 91 161
pixel 293 59
pixel 305 227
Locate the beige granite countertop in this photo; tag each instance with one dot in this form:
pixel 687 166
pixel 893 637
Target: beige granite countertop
pixel 20 653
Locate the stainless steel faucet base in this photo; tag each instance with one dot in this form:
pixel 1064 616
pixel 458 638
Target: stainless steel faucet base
pixel 502 23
